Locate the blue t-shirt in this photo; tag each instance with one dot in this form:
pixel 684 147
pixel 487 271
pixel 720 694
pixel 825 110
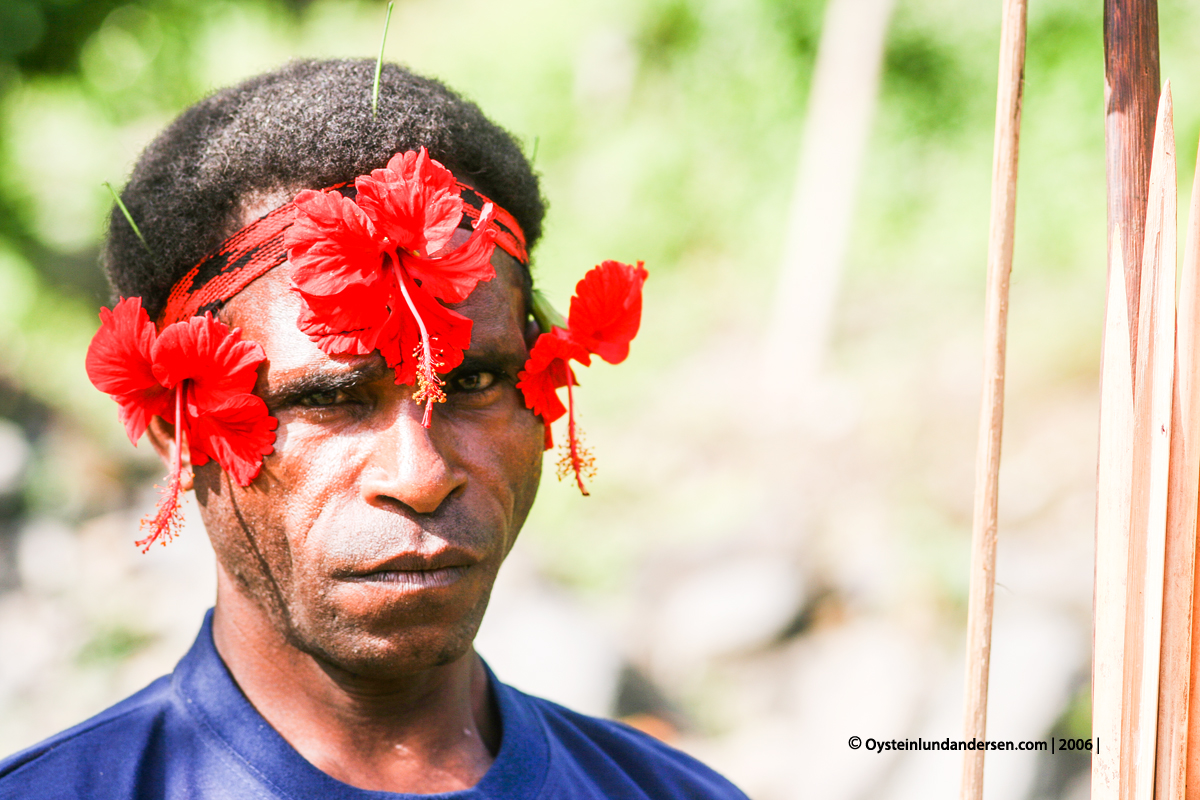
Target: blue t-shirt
pixel 193 734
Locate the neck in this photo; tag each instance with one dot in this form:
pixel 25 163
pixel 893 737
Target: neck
pixel 430 731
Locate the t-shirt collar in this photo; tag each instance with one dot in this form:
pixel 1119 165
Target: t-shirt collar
pixel 204 686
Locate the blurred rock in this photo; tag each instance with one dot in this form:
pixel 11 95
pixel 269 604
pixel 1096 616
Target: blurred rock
pixel 866 678
pixel 14 456
pixel 48 557
pixel 15 452
pixel 541 640
pixel 1037 652
pixel 731 605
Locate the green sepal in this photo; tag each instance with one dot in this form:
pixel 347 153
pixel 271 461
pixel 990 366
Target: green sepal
pixel 545 314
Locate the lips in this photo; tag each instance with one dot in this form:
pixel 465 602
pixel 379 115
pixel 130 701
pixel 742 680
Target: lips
pixel 414 579
pixel 415 570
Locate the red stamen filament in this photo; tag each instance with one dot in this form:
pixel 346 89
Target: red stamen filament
pixel 168 515
pixel 577 459
pixel 429 385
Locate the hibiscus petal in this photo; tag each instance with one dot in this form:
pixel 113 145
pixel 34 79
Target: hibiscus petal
pixel 449 333
pixel 606 310
pixel 414 202
pixel 118 363
pixel 547 370
pixel 236 434
pixel 347 323
pixel 540 390
pixel 453 276
pixel 558 343
pixel 332 244
pixel 212 356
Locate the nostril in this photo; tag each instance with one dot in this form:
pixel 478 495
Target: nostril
pixel 409 467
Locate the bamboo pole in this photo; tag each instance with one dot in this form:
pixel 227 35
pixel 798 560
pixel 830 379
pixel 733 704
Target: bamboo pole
pixel 1113 474
pixel 1178 593
pixel 1154 370
pixel 1131 88
pixel 987 465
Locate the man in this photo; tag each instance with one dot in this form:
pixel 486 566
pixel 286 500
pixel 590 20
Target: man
pixel 364 445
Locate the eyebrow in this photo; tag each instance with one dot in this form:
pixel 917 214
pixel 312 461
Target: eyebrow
pixel 290 390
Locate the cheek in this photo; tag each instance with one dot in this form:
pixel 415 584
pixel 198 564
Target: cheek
pixel 514 456
pixel 307 471
pixel 308 480
pixel 269 520
pixel 239 527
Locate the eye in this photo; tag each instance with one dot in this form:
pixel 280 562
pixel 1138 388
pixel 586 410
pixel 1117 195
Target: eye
pixel 475 381
pixel 332 397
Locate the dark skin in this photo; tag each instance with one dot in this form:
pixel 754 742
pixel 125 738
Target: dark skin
pixel 353 573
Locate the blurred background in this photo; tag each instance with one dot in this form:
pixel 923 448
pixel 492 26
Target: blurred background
pixel 774 555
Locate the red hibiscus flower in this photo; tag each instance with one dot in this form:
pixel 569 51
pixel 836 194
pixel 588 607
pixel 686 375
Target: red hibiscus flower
pixel 372 270
pixel 198 375
pixel 606 312
pixel 607 309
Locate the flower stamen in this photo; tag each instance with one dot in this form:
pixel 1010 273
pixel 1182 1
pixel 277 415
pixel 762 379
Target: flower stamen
pixel 168 517
pixel 429 384
pixel 576 458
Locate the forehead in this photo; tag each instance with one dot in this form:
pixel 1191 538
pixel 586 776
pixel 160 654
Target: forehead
pixel 267 311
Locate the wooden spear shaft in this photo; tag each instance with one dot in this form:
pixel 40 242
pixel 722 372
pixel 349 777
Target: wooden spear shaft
pixel 991 418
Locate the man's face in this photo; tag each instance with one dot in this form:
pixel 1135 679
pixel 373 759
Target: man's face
pixel 372 542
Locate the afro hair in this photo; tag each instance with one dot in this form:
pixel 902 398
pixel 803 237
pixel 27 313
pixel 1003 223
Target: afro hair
pixel 307 125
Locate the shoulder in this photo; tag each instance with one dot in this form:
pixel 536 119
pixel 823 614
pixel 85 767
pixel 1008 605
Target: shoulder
pixel 622 761
pixel 96 757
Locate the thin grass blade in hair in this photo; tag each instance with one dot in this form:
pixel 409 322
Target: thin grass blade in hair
pixel 128 217
pixel 379 62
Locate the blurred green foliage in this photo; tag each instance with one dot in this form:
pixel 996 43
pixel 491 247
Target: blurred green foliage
pixel 112 645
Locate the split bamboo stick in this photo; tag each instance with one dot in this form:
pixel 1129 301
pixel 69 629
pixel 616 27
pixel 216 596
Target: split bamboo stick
pixel 1131 90
pixel 1189 370
pixel 987 465
pixel 1154 369
pixel 1180 565
pixel 1113 475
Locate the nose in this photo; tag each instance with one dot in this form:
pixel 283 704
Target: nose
pixel 408 465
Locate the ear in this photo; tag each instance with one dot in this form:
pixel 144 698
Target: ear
pixel 162 436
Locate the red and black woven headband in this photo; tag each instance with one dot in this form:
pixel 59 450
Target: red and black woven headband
pixel 258 248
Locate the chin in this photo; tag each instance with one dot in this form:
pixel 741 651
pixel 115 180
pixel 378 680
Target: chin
pixel 388 642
